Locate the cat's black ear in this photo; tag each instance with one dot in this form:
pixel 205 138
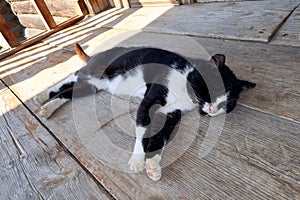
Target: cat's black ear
pixel 246 84
pixel 219 60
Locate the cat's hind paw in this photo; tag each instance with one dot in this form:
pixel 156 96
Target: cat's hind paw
pixel 153 168
pixel 137 162
pixel 46 111
pixel 41 98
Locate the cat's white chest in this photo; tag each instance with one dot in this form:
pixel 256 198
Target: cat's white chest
pixel 178 97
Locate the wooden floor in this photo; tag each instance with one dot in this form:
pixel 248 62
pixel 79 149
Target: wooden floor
pixel 251 153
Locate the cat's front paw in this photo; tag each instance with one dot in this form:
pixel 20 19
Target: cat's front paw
pixel 153 168
pixel 137 162
pixel 41 98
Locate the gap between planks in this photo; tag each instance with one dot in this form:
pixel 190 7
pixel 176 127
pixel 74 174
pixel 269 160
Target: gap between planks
pixel 59 143
pixel 278 27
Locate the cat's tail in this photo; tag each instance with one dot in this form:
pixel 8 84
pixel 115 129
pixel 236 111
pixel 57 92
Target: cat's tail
pixel 81 54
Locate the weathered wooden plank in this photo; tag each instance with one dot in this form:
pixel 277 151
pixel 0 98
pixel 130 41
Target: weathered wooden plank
pixel 240 20
pixel 289 33
pixel 256 156
pixel 34 165
pixel 7 33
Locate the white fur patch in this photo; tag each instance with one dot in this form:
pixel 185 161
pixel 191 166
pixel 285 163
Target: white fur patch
pixel 178 97
pixel 132 85
pixel 212 108
pixel 48 109
pixel 219 112
pixel 136 162
pixel 153 168
pixel 69 79
pixel 44 96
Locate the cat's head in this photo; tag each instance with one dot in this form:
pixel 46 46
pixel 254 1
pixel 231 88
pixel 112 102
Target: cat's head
pixel 226 100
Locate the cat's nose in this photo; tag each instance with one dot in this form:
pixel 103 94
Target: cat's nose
pixel 212 109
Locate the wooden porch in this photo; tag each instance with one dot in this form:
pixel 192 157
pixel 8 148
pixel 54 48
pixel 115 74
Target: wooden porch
pixel 256 156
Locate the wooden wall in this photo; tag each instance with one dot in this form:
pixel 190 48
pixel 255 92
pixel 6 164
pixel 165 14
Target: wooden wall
pixel 61 11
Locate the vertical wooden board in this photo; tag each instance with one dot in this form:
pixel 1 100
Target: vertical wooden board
pixel 34 165
pixel 289 33
pixel 96 6
pixel 44 14
pixel 7 33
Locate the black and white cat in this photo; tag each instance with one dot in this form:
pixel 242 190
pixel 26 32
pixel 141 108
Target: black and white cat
pixel 159 77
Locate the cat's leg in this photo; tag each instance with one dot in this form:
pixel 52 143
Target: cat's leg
pixel 154 145
pixel 137 160
pixel 153 96
pixel 65 94
pixel 56 89
pixel 50 107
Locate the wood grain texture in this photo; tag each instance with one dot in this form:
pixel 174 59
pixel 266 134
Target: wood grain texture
pixel 233 20
pixel 289 33
pixel 256 156
pixel 34 165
